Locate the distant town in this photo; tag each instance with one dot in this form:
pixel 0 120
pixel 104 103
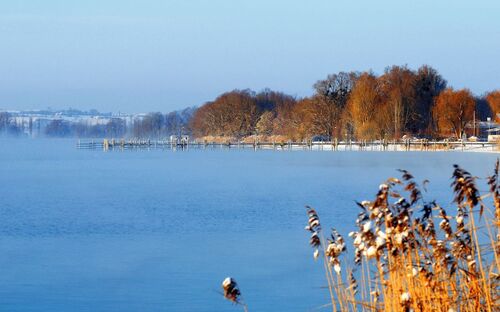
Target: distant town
pixel 92 123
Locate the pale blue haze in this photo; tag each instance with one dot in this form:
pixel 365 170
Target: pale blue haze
pixel 159 55
pixel 159 230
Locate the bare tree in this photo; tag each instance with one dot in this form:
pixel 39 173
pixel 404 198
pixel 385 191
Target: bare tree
pixel 329 102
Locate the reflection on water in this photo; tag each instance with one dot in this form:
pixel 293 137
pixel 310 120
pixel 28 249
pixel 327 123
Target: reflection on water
pixel 159 230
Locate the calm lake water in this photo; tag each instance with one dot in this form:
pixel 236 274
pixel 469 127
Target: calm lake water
pixel 159 230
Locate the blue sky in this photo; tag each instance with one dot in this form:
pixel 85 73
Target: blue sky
pixel 160 55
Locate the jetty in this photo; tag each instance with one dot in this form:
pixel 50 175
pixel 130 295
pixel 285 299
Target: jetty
pixel 335 145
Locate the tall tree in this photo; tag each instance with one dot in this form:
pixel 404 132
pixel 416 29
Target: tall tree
pixel 453 111
pixel 493 99
pixel 265 124
pixel 8 124
pixel 231 114
pixel 58 128
pixel 4 121
pixel 429 84
pixel 365 107
pixel 269 100
pixel 399 84
pixel 116 128
pixel 300 125
pixel 329 102
pixel 283 108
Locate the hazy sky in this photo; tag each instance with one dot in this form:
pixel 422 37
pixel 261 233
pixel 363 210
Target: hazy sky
pixel 160 55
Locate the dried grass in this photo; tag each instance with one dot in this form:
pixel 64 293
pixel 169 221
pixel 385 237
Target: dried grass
pixel 410 255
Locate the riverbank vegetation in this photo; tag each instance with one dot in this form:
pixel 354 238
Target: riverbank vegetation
pixel 344 106
pixel 354 105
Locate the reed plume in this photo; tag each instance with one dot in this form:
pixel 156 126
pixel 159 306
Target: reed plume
pixel 411 255
pixel 232 292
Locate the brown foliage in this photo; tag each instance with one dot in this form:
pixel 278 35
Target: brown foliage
pixel 264 125
pixel 362 106
pixel 410 255
pixel 231 114
pixel 453 111
pixel 399 86
pixel 493 99
pixel 365 107
pixel 300 127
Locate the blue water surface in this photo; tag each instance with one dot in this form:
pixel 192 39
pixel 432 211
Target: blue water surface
pixel 158 230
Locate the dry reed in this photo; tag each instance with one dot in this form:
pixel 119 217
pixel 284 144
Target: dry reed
pixel 411 255
pixel 232 292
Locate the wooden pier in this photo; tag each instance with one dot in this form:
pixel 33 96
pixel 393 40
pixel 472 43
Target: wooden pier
pixel 383 145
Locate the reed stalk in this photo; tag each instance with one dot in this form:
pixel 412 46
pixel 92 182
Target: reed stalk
pixel 421 259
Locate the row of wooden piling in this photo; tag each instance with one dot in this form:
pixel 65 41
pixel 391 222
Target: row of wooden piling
pixel 335 145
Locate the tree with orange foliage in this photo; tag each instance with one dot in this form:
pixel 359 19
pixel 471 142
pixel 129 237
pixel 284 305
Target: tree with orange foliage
pixel 399 86
pixel 233 114
pixel 365 107
pixel 453 111
pixel 301 126
pixel 493 99
pixel 265 124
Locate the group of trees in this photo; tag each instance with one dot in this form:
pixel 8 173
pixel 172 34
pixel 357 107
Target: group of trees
pixel 115 127
pixel 363 105
pixel 7 126
pixel 344 105
pixel 152 125
pixel 242 112
pixel 159 125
